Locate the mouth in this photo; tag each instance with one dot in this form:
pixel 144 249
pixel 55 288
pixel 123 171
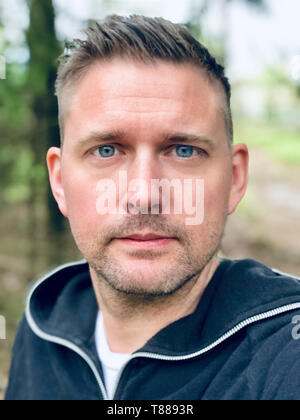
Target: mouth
pixel 149 240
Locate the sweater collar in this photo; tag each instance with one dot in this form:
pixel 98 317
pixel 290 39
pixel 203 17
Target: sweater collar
pixel 63 305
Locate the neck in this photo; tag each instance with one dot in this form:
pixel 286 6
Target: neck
pixel 130 321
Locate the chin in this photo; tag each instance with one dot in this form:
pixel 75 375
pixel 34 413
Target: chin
pixel 143 291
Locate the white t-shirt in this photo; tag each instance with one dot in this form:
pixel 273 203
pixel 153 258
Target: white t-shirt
pixel 112 363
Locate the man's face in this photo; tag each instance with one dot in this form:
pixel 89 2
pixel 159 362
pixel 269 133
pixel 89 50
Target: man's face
pixel 157 121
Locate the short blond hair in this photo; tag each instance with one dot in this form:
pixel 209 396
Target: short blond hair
pixel 138 38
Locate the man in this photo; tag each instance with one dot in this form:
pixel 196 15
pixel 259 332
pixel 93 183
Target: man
pixel 152 313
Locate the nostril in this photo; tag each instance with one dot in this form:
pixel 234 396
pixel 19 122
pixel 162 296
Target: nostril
pixel 146 209
pixel 155 209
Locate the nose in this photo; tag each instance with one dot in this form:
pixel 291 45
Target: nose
pixel 143 196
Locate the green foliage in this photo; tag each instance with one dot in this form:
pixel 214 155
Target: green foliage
pixel 14 112
pixel 28 114
pixel 218 45
pixel 18 163
pixel 282 142
pixel 196 15
pixel 42 43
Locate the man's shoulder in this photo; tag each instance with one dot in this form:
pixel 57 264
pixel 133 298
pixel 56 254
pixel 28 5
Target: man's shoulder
pixel 264 304
pixel 274 354
pixel 256 268
pixel 249 294
pixel 275 295
pixel 260 279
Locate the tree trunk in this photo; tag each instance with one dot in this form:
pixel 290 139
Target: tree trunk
pixel 44 50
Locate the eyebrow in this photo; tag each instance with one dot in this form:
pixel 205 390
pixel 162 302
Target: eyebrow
pixel 102 136
pixel 180 138
pixel 190 138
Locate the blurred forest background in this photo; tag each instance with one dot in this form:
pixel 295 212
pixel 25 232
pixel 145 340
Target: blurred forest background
pixel 35 238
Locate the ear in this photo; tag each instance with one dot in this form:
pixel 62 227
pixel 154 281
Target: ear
pixel 240 160
pixel 55 177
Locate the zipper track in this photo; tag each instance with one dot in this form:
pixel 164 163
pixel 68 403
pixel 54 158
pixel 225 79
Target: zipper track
pixel 230 333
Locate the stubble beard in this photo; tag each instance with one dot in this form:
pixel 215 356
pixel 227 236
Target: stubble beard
pixel 189 262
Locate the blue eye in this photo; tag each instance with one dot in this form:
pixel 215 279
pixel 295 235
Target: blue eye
pixel 106 151
pixel 184 151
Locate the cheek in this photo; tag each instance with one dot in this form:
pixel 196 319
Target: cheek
pixel 216 196
pixel 81 202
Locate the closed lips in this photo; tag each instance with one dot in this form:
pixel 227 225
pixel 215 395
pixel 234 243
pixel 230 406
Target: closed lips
pixel 148 237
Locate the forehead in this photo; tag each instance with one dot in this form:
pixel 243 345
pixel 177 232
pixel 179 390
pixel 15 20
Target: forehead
pixel 122 92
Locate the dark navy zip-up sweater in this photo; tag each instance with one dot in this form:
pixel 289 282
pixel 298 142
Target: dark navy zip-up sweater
pixel 240 343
